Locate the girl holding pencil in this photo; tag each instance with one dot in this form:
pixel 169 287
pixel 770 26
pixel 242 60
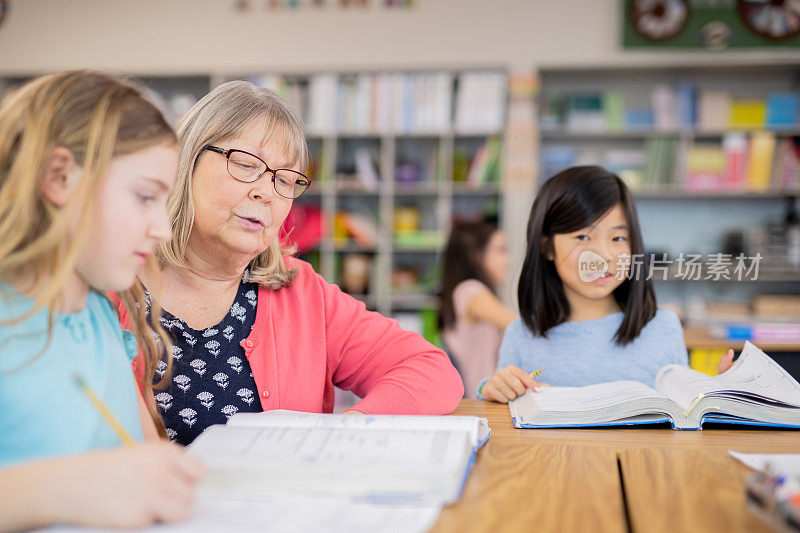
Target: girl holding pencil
pixel 86 166
pixel 586 316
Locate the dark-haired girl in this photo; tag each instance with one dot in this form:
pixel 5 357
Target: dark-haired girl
pixel 472 317
pixel 588 311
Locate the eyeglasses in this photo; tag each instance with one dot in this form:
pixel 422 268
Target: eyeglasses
pixel 246 167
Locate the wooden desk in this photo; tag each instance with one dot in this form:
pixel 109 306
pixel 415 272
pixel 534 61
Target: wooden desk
pixel 539 488
pixel 607 479
pixel 670 490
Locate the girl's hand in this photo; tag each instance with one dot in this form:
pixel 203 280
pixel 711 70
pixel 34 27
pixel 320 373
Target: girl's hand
pixel 128 487
pixel 508 383
pixel 725 362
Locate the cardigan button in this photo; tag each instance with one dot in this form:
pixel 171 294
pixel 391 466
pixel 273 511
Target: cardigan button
pixel 248 343
pixel 265 394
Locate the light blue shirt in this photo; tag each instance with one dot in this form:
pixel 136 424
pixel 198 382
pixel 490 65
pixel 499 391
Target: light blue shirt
pixel 576 354
pixel 42 412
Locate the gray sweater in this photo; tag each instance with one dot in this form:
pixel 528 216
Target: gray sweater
pixel 575 354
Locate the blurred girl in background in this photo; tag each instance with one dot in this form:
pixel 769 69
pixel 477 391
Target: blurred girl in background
pixel 471 315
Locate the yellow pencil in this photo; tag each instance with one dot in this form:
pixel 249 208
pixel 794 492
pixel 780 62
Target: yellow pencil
pixel 115 425
pixel 534 374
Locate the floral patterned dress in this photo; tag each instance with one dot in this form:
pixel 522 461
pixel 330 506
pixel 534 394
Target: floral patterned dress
pixel 211 377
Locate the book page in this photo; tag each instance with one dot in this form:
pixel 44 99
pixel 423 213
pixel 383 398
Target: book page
pixel 477 428
pixel 754 373
pixel 405 466
pixel 290 515
pixel 311 447
pixel 787 464
pixel 592 397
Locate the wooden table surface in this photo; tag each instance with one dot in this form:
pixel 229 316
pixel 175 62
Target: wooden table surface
pixel 673 490
pixel 607 479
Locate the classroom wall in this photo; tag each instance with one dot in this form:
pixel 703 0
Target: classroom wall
pixel 189 36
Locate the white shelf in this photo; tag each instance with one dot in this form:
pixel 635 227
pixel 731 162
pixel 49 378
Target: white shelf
pixel 673 194
pixel 588 135
pixel 416 249
pixel 485 190
pixel 413 301
pixel 354 249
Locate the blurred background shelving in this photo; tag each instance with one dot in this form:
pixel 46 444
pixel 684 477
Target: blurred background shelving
pixel 396 156
pixel 712 155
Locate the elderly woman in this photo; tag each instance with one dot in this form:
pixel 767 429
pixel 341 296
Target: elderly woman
pixel 254 329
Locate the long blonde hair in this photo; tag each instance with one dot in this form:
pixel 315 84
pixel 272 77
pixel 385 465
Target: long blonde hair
pixel 222 114
pixel 97 117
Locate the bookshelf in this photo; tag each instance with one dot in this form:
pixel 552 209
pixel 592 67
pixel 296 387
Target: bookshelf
pixel 614 116
pixel 684 140
pixel 393 150
pixel 695 121
pixel 394 163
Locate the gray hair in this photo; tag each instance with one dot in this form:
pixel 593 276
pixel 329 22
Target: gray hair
pixel 222 114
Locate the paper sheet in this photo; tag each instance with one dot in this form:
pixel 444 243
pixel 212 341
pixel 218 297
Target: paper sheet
pixel 783 463
pixel 293 515
pixel 477 428
pixel 322 455
pixel 310 447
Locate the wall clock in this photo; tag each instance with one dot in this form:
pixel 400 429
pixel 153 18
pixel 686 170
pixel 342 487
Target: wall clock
pixel 775 20
pixel 659 20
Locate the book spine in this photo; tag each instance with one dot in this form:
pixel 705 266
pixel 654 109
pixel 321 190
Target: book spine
pixel 760 158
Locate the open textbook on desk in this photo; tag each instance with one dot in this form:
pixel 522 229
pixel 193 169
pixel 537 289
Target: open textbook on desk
pixel 365 457
pixel 754 391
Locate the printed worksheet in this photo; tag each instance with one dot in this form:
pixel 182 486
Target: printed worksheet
pixel 475 427
pixel 383 458
pixel 309 447
pixel 787 464
pixel 290 515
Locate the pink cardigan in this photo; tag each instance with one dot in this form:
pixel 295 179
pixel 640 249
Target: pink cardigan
pixel 310 336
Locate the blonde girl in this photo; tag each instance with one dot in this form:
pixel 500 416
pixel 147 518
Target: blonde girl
pixel 86 166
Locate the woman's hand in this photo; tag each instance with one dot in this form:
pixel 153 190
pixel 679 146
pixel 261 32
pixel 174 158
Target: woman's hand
pixel 128 487
pixel 508 383
pixel 725 362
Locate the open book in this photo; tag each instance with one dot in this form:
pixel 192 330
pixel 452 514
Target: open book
pixel 754 391
pixel 377 458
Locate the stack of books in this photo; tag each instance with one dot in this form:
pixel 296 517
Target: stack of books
pixel 480 103
pixel 682 106
pixel 485 164
pixel 759 161
pixel 395 103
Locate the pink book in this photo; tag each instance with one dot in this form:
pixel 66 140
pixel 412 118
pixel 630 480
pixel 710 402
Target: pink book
pixel 735 147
